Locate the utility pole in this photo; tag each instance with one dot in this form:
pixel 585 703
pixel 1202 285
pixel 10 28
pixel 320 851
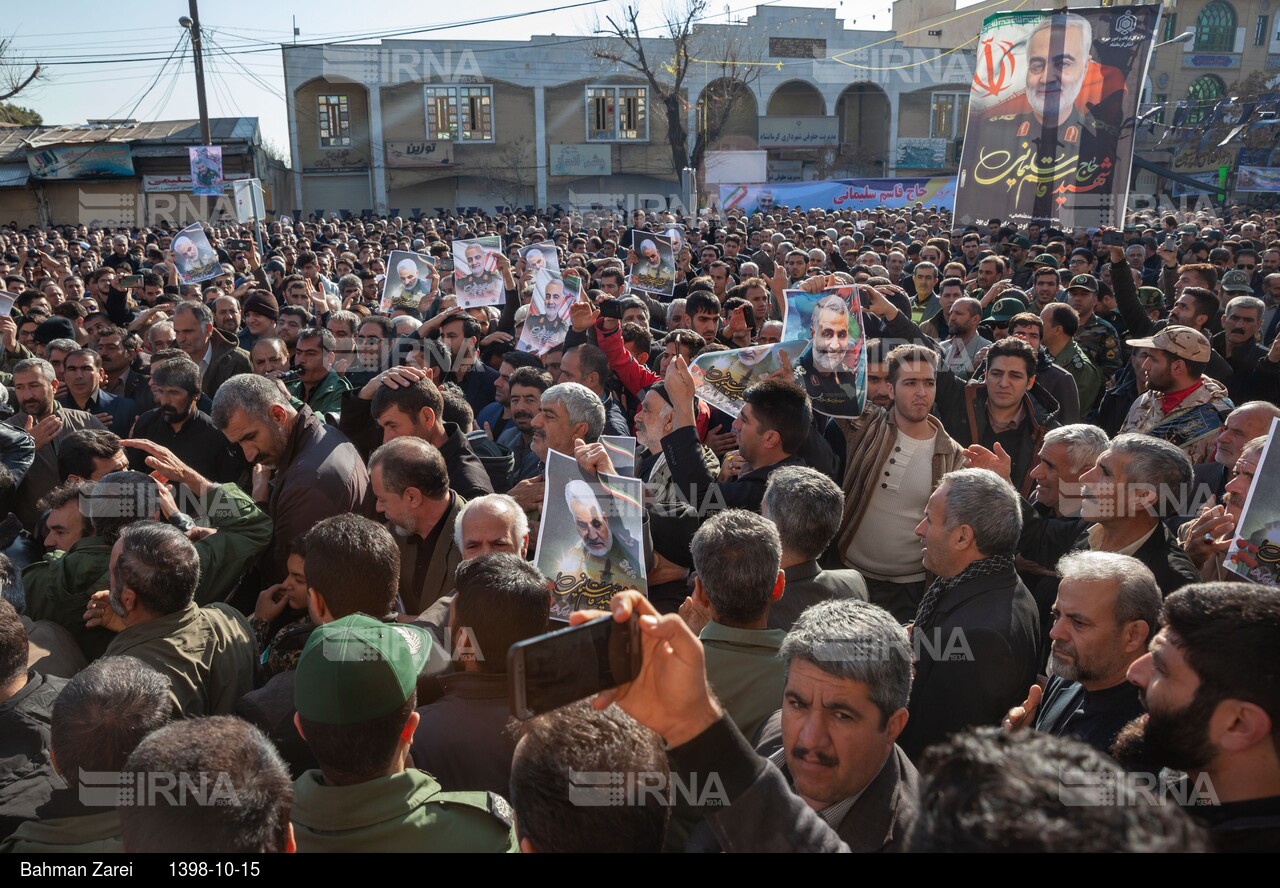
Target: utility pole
pixel 192 25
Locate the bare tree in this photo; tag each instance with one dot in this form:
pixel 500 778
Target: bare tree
pixel 506 175
pixel 667 62
pixel 15 75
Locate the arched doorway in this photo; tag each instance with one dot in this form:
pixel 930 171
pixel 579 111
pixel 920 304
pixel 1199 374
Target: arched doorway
pixel 727 115
pixel 795 98
pixel 863 112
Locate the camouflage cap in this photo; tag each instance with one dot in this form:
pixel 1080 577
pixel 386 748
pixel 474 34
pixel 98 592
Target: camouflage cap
pixel 1236 281
pixel 357 668
pixel 1181 341
pixel 1084 282
pixel 1048 260
pixel 1151 297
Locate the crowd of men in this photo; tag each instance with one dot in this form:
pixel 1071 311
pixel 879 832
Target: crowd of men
pixel 264 536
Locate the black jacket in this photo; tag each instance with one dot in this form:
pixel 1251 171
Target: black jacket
pixel 27 778
pixel 980 659
pixel 808 584
pixel 462 739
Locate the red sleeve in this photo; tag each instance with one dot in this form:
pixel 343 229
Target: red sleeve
pixel 635 377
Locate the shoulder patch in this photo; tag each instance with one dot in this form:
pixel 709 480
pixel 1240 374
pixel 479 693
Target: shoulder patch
pixel 501 808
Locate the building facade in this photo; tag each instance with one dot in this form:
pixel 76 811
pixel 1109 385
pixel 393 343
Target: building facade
pixel 422 126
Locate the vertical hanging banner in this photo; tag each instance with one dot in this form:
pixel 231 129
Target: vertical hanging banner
pixel 206 170
pixel 1052 113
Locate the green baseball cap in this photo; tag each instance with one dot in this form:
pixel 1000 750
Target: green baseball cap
pixel 357 668
pixel 1084 282
pixel 1006 308
pixel 1048 260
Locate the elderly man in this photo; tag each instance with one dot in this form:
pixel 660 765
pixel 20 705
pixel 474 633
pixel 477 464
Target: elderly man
pixel 216 353
pixel 48 423
pixel 1066 454
pixel 1246 422
pixel 411 485
pixel 317 471
pixel 602 554
pixel 1107 609
pixel 492 523
pixel 976 634
pixel 207 653
pixel 1208 536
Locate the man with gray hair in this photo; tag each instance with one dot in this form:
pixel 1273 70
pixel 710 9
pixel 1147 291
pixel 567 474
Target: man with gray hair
pixel 976 633
pixel 1065 454
pixel 1255 370
pixel 48 423
pixel 318 473
pixel 848 679
pixel 492 523
pixel 1136 483
pixel 737 556
pixel 567 412
pixel 1107 609
pixel 806 506
pixel 217 353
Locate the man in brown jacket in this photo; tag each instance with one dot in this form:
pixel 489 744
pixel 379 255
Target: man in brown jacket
pixel 216 352
pixel 896 458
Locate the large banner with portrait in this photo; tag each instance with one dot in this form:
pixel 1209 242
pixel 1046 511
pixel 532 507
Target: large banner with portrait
pixel 1051 116
pixel 1255 546
pixel 591 537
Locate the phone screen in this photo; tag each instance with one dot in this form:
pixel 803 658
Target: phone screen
pixel 570 664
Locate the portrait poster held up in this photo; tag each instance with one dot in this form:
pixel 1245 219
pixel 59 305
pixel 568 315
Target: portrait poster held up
pixel 590 541
pixel 653 268
pixel 832 367
pixel 476 278
pixel 409 280
pixel 1255 546
pixel 206 170
pixel 723 377
pixel 1052 110
pixel 193 255
pixel 548 321
pixel 540 257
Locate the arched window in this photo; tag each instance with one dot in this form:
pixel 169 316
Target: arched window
pixel 1202 94
pixel 1216 28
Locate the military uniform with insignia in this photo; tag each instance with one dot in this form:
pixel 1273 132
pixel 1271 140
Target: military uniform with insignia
pixel 831 394
pixel 1089 379
pixel 1101 343
pixel 585 581
pixel 353 673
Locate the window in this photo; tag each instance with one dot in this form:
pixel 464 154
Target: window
pixel 1161 99
pixel 617 114
pixel 1170 26
pixel 334 120
pixel 1216 28
pixel 1260 30
pixel 947 115
pixel 459 113
pixel 1202 95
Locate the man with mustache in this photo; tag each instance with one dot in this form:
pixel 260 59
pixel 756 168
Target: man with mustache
pixel 1207 538
pixel 600 554
pixel 1208 684
pixel 48 423
pixel 181 426
pixel 823 368
pixel 1106 611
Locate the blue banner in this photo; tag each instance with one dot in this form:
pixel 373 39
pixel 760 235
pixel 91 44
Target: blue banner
pixel 840 194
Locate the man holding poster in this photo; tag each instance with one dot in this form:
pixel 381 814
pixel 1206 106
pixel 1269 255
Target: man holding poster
pixel 1050 135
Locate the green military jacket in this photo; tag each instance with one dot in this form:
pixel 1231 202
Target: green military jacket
pixel 403 812
pixel 88 834
pixel 744 670
pixel 207 653
pixel 58 586
pixel 327 397
pixel 1101 344
pixel 1089 379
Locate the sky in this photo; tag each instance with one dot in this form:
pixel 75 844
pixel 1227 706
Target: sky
pixel 123 70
